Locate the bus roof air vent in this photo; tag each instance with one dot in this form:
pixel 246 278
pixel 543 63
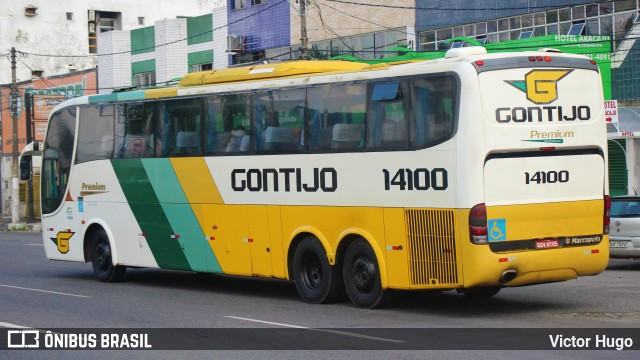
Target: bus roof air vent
pixel 465 51
pixel 550 50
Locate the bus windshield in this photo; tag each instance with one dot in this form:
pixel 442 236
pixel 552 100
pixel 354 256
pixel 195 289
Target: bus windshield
pixel 56 163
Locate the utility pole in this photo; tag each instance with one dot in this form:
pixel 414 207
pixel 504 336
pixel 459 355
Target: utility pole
pixel 303 30
pixel 15 185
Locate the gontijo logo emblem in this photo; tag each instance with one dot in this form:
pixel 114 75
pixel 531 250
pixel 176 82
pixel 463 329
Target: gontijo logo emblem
pixel 62 240
pixel 541 86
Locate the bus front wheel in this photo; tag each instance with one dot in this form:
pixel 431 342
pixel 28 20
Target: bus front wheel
pixel 316 281
pixel 361 274
pixel 101 259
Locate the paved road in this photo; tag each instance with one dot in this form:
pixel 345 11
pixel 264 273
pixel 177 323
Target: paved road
pixel 42 294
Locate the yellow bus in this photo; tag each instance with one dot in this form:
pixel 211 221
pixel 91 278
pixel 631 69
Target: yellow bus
pixel 471 173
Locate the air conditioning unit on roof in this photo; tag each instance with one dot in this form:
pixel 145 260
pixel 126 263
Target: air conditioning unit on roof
pixel 235 43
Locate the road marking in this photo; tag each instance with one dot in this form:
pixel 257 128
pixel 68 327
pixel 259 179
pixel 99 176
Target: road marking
pixel 267 322
pixel 626 291
pixel 45 291
pixel 322 330
pixel 14 326
pixel 35 244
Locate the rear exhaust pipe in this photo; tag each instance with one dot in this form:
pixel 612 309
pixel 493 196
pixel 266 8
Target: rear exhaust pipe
pixel 508 275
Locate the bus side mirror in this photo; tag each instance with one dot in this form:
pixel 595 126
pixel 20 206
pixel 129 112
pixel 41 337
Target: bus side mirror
pixel 25 168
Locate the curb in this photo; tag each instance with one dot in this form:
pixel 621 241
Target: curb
pixel 23 227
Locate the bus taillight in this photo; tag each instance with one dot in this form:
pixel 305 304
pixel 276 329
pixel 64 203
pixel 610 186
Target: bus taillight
pixel 606 220
pixel 478 224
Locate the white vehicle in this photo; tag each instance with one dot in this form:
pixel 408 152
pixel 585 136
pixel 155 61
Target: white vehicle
pixel 625 230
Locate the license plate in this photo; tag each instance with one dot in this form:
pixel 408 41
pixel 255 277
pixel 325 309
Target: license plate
pixel 618 244
pixel 547 244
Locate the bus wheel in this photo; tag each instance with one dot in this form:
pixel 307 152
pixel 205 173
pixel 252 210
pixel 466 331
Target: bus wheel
pixel 362 276
pixel 101 259
pixel 481 292
pixel 316 281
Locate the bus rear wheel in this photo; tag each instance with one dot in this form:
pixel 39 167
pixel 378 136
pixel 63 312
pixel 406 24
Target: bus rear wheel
pixel 361 274
pixel 101 259
pixel 317 282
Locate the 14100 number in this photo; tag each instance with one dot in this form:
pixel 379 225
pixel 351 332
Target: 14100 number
pixel 547 177
pixel 417 179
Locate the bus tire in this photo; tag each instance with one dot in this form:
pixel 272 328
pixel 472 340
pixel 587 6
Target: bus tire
pixel 101 258
pixel 361 275
pixel 481 292
pixel 316 280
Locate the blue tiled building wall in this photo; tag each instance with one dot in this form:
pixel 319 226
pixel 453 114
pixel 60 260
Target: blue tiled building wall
pixel 265 26
pixel 626 78
pixel 458 12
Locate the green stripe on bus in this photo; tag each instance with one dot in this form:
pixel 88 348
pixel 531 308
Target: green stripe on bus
pixel 149 213
pixel 174 202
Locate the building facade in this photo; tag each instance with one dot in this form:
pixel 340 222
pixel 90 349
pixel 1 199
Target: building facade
pixel 47 33
pixel 155 55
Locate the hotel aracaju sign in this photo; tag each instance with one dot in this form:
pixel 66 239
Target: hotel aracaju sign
pixel 47 93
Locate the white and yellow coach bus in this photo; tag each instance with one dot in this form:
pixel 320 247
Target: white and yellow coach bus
pixel 473 172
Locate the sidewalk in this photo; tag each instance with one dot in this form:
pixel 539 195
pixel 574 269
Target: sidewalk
pixel 6 225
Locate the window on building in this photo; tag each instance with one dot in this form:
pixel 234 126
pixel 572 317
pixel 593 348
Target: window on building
pixel 201 67
pixel 624 5
pixel 525 34
pixel 106 24
pixel 577 12
pixel 144 79
pixel 237 4
pixel 101 21
pixel 259 2
pixel 69 16
pixel 576 29
pixel 592 10
pixel 140 20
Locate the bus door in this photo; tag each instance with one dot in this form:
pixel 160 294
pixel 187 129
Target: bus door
pixel 228 234
pixel 259 242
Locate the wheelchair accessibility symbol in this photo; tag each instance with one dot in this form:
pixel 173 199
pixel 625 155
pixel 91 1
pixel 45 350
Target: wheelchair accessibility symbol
pixel 497 229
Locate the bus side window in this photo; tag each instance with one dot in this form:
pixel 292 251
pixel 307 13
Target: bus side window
pixel 134 135
pixel 179 131
pixel 336 117
pixel 57 158
pixel 95 133
pixel 387 116
pixel 278 118
pixel 434 100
